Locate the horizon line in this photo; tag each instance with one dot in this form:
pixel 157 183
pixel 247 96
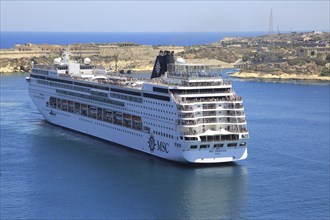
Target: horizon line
pixel 225 31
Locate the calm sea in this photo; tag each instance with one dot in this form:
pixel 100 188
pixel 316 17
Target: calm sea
pixel 9 39
pixel 48 172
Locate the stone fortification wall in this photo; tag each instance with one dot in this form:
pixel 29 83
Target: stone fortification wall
pixel 120 55
pixel 15 54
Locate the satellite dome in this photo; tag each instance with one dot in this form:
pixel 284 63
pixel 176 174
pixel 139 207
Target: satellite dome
pixel 87 61
pixel 57 60
pixel 180 60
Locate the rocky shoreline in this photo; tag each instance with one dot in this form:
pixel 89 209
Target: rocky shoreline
pixel 281 76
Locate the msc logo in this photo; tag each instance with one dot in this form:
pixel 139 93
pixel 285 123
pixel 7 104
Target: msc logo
pixel 161 146
pixel 152 143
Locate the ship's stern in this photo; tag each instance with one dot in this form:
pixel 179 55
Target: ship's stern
pixel 215 155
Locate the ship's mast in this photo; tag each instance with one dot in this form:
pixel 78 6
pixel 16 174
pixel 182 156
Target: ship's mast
pixel 66 56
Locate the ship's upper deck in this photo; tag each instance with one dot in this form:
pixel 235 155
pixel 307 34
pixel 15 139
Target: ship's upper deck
pixel 178 75
pixel 166 73
pixel 191 71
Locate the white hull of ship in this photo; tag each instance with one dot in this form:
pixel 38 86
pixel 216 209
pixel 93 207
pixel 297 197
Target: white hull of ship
pixel 137 140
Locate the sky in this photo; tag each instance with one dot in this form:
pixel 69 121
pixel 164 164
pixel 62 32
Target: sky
pixel 163 16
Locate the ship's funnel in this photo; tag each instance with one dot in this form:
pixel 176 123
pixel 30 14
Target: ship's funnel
pixel 162 60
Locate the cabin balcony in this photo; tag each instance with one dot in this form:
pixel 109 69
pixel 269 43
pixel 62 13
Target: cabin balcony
pixel 210 99
pixel 214 121
pixel 200 129
pixel 204 84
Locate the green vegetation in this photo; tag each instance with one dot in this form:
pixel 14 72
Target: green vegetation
pixel 328 57
pixel 325 72
pixel 319 61
pixel 297 62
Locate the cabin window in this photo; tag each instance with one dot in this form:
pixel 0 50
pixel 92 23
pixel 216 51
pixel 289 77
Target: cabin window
pixel 203 146
pixel 190 138
pixel 218 145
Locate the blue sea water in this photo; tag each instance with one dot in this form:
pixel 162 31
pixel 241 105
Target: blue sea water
pixel 48 172
pixel 9 39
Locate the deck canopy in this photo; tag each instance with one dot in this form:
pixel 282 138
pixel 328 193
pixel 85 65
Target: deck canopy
pixel 190 71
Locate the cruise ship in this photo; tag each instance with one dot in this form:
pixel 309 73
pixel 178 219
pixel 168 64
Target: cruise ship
pixel 184 112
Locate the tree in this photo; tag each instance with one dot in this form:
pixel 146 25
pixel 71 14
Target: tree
pixel 325 72
pixel 319 62
pixel 328 57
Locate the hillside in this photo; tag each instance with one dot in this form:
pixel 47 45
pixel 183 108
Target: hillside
pixel 295 54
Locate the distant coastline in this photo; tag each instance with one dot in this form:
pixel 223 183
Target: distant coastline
pixel 285 56
pixel 283 76
pixel 10 39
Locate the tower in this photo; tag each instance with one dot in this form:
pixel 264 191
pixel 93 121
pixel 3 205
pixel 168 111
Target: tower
pixel 271 24
pixel 271 44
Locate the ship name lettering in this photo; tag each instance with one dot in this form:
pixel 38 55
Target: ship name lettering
pixel 162 146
